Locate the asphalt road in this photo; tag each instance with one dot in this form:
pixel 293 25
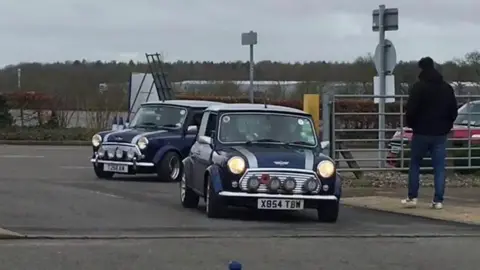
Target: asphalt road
pixel 51 192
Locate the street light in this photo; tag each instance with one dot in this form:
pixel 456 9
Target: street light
pixel 250 39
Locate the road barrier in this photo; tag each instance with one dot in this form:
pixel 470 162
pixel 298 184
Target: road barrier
pixel 357 144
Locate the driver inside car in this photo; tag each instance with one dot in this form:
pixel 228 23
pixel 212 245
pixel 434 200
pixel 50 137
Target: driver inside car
pixel 231 132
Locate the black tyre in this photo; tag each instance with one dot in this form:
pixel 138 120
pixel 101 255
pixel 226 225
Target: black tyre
pixel 188 197
pixel 214 206
pixel 170 168
pixel 100 173
pixel 327 211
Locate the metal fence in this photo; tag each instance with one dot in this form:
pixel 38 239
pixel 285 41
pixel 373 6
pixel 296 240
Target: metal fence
pixel 359 144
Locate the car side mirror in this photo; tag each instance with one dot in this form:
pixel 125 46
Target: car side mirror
pixel 205 140
pixel 324 144
pixel 126 125
pixel 192 129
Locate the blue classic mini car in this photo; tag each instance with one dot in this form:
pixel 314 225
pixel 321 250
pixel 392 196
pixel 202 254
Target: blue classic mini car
pixel 259 156
pixel 156 140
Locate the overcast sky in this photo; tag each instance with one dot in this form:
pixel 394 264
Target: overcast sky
pixel 288 30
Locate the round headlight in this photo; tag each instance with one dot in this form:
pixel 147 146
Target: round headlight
pixel 326 168
pixel 253 183
pixel 142 143
pixel 101 152
pixel 119 153
pixel 289 184
pixel 130 154
pixel 310 185
pixel 274 184
pixel 96 140
pixel 236 165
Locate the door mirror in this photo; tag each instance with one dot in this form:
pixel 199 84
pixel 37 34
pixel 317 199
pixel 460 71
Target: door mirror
pixel 324 144
pixel 126 125
pixel 205 140
pixel 192 129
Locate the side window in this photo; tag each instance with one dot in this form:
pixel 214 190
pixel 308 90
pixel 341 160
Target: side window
pixel 203 124
pixel 211 125
pixel 196 118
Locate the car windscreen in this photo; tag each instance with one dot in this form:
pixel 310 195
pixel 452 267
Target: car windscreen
pixel 266 128
pixel 468 113
pixel 159 116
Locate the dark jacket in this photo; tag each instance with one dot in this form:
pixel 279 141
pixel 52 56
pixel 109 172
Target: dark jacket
pixel 431 106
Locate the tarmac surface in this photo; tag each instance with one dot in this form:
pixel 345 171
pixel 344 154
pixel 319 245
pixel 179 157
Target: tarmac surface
pixel 75 221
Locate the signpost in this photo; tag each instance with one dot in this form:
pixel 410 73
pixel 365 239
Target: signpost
pixel 250 39
pixel 385 60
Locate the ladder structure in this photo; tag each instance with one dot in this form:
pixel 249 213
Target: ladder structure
pixel 156 78
pixel 160 79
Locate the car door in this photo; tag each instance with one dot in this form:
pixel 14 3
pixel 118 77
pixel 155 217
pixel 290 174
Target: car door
pixel 206 150
pixel 195 154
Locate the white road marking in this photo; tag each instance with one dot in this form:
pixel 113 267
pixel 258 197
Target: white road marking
pixel 106 194
pixel 76 167
pixel 20 156
pixel 60 148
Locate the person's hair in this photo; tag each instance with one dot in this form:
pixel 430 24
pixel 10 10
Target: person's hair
pixel 426 63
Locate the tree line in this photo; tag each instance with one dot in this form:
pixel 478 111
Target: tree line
pixel 79 80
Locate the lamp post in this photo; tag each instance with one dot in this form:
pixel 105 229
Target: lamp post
pixel 250 39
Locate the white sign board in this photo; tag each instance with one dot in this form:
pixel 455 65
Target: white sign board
pixel 389 89
pixel 390 57
pixel 146 91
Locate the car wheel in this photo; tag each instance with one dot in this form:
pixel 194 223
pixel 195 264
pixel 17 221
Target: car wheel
pixel 327 211
pixel 213 202
pixel 170 168
pixel 188 197
pixel 100 173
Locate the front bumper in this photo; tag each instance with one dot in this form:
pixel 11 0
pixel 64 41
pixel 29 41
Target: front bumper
pixel 277 196
pixel 127 163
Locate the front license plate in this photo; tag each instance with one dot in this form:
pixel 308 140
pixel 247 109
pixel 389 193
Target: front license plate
pixel 115 168
pixel 280 204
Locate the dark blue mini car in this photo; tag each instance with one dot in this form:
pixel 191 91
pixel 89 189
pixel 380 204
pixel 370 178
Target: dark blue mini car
pixel 262 157
pixel 156 140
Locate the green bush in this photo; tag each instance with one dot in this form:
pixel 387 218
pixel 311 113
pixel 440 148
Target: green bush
pixel 46 134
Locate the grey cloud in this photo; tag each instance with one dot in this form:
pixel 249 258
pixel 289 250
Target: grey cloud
pixel 288 30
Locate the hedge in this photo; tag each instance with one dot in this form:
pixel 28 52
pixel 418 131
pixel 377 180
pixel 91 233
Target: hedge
pixel 45 134
pixel 32 100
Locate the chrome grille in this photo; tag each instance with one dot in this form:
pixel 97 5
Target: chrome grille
pixel 300 177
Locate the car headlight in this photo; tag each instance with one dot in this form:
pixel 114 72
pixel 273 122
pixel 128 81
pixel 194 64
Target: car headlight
pixel 236 165
pixel 142 143
pixel 96 140
pixel 325 168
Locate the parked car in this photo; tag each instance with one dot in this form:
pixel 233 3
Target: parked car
pixel 262 157
pixel 466 128
pixel 155 141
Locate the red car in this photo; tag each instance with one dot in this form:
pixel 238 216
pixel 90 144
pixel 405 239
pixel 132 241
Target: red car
pixel 459 138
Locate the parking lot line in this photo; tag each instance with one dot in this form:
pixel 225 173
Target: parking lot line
pixel 76 167
pixel 20 156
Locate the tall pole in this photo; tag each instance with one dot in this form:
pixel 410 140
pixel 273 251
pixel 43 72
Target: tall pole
pixel 251 74
pixel 381 103
pixel 250 39
pixel 19 78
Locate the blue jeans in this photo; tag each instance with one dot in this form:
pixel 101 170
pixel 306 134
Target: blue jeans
pixel 420 146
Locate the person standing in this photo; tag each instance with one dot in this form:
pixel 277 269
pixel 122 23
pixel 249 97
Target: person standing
pixel 430 112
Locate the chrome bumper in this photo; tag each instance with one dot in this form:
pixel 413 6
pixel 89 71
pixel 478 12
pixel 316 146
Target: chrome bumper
pixel 277 196
pixel 129 163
